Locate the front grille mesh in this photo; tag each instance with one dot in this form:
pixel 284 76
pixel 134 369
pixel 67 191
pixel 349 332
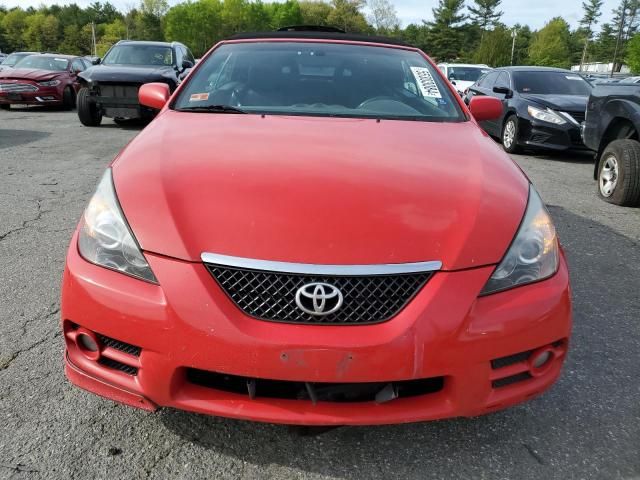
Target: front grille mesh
pixel 17 87
pixel 119 345
pixel 115 365
pixel 271 296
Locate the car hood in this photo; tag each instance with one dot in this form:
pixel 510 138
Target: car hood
pixel 564 103
pixel 29 74
pixel 126 73
pixel 320 190
pixel 462 85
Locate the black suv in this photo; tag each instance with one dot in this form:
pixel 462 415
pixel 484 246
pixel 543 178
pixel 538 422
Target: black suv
pixel 110 88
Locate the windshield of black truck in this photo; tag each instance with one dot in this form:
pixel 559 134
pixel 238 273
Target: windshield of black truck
pixel 148 55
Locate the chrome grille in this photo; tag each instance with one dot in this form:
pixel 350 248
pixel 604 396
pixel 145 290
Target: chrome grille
pixel 17 87
pixel 268 295
pixel 578 116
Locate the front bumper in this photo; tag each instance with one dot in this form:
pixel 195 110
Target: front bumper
pixel 43 96
pixel 189 323
pixel 536 134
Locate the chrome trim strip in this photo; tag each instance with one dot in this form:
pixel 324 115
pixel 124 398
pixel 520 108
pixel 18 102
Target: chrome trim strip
pixel 315 269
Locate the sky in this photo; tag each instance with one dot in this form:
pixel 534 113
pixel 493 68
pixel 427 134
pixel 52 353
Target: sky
pixel 533 13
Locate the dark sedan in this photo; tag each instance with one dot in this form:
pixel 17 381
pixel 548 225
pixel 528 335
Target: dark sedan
pixel 543 107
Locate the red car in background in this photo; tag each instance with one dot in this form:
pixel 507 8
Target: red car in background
pixel 45 79
pixel 315 230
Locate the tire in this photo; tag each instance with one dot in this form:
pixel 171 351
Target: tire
pixel 5 106
pixel 68 99
pixel 619 173
pixel 509 136
pixel 88 113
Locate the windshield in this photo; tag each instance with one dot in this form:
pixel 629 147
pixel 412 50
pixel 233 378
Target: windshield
pixel 149 55
pixel 43 63
pixel 467 74
pixel 14 58
pixel 551 83
pixel 320 79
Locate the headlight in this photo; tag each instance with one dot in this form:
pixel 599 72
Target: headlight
pixel 50 83
pixel 533 254
pixel 546 115
pixel 105 238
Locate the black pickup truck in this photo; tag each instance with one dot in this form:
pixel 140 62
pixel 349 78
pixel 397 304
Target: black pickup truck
pixel 612 130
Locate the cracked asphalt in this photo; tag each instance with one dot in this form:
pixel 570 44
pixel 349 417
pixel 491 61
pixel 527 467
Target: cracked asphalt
pixel 587 426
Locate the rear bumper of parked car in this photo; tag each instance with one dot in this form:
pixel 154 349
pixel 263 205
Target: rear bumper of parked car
pixel 544 135
pixel 184 344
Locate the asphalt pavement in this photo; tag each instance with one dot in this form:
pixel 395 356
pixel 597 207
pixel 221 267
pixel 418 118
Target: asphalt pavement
pixel 587 426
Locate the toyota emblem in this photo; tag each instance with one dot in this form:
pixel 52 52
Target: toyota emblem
pixel 319 299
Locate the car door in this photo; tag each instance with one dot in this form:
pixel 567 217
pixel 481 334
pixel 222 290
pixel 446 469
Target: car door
pixel 77 66
pixel 503 81
pixel 484 87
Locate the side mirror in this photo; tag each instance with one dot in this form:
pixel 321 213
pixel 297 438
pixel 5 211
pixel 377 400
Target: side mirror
pixel 96 61
pixel 154 95
pixel 485 108
pixel 507 92
pixel 187 64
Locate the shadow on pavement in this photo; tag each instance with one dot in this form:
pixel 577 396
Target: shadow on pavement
pixel 560 434
pixel 13 138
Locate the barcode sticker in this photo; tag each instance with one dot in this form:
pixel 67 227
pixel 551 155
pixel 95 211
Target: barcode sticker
pixel 427 85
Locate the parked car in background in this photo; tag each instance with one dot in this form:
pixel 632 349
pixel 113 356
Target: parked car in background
pixel 315 231
pixel 3 56
pixel 463 75
pixel 543 107
pixel 44 79
pixel 110 88
pixel 612 130
pixel 14 58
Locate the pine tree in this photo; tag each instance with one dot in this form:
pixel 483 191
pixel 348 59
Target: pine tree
pixel 445 35
pixel 485 14
pixel 592 11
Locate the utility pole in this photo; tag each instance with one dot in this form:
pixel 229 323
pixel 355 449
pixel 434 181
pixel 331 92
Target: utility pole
pixel 514 35
pixel 620 31
pixel 93 39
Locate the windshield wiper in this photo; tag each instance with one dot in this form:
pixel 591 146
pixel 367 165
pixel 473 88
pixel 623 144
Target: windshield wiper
pixel 211 108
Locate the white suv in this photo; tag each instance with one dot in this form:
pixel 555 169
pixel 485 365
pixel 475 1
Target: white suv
pixel 463 75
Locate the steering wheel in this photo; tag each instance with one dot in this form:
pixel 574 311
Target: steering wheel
pixel 375 99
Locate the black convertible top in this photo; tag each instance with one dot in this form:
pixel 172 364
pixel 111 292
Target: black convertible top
pixel 320 35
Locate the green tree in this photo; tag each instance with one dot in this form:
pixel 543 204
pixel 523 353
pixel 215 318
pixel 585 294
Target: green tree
pixel 445 37
pixel 113 32
pixel 416 35
pixel 592 10
pixel 14 24
pixel 42 32
pixel 495 48
pixel 196 24
pixel 284 14
pixel 605 44
pixel 315 12
pixel 347 14
pixel 550 46
pixel 485 14
pixel 633 54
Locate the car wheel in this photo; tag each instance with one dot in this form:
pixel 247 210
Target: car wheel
pixel 88 112
pixel 510 135
pixel 68 98
pixel 5 106
pixel 619 173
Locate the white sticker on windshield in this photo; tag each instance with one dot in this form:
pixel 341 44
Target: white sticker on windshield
pixel 573 77
pixel 427 85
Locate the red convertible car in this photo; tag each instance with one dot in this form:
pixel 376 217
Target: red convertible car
pixel 315 231
pixel 46 79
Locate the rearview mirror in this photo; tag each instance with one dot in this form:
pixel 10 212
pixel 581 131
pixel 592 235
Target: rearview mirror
pixel 507 92
pixel 485 108
pixel 154 95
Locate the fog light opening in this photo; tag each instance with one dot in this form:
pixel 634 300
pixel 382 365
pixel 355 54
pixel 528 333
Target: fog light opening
pixel 88 344
pixel 541 361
